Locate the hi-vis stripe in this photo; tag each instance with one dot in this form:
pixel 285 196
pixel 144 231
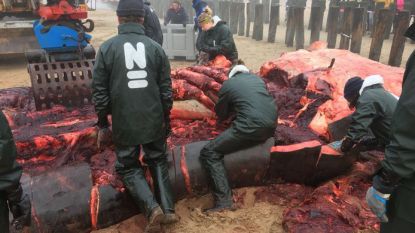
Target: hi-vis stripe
pixel 137 78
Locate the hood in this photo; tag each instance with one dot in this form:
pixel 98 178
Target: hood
pixel 238 69
pixel 216 19
pixel 373 80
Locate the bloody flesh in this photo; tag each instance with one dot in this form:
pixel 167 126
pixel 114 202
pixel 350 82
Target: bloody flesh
pixel 308 97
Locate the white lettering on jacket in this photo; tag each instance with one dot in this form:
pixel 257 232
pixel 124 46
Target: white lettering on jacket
pixel 137 78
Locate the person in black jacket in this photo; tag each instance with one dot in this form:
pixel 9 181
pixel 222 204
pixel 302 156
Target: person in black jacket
pixel 152 27
pixel 131 82
pixel 246 97
pixel 11 193
pixel 216 38
pixel 176 14
pixel 392 196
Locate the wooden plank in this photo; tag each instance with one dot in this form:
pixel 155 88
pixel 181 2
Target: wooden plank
pixel 332 26
pixel 357 30
pixel 299 28
pixel 241 24
pixel 315 25
pixel 347 29
pixel 234 17
pixel 274 15
pixel 398 44
pixel 290 30
pixel 259 22
pixel 249 14
pixel 379 34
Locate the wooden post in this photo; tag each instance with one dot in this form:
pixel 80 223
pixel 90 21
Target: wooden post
pixel 347 29
pixel 259 22
pixel 273 23
pixel 379 34
pixel 241 24
pixel 299 28
pixel 402 23
pixel 266 10
pixel 389 25
pixel 332 26
pixel 315 25
pixel 220 12
pixel 312 16
pixel 290 31
pixel 252 4
pixel 248 21
pixel 234 17
pixel 357 30
pixel 226 11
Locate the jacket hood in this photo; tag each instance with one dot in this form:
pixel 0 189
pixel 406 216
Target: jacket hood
pixel 373 80
pixel 216 19
pixel 238 69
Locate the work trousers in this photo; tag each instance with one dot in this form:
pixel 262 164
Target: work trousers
pixel 212 158
pixel 129 167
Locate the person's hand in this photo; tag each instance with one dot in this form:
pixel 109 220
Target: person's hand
pixel 347 144
pixel 377 203
pixel 104 137
pixel 367 144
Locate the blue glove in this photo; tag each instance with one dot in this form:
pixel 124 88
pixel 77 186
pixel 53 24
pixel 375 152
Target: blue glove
pixel 377 203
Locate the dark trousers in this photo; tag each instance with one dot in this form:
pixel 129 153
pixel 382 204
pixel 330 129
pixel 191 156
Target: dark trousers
pixel 132 172
pixel 212 158
pixel 397 225
pixel 4 213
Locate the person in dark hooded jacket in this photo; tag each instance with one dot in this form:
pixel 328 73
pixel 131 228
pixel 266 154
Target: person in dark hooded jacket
pixel 131 82
pixel 176 14
pixel 216 38
pixel 374 107
pixel 392 196
pixel 152 27
pixel 244 96
pixel 11 192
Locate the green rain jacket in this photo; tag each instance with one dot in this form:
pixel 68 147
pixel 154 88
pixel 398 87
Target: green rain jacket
pixel 218 40
pixel 131 81
pixel 246 96
pixel 400 153
pixel 374 111
pixel 10 170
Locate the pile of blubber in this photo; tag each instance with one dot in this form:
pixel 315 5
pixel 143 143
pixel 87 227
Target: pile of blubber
pixel 58 152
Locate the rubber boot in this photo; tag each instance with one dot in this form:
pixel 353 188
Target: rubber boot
pixel 154 221
pixel 20 207
pixel 134 180
pixel 214 164
pixel 162 187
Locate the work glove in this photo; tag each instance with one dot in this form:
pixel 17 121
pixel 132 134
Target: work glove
pixel 347 144
pixel 104 137
pixel 377 202
pixel 367 144
pixel 336 145
pixel 20 207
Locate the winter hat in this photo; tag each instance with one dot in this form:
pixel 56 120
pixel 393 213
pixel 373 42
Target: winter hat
pixel 204 17
pixel 410 32
pixel 130 8
pixel 352 88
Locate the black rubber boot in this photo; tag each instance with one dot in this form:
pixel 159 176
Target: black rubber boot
pixel 20 207
pixel 213 163
pixel 162 187
pixel 154 221
pixel 220 208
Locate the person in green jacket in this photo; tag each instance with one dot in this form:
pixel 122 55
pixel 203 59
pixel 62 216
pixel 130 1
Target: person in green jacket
pixel 392 196
pixel 216 38
pixel 245 97
pixel 131 81
pixel 11 193
pixel 374 106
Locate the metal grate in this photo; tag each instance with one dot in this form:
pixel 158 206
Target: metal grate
pixel 61 83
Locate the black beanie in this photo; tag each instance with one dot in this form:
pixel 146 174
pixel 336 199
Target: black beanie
pixel 352 88
pixel 130 8
pixel 410 32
